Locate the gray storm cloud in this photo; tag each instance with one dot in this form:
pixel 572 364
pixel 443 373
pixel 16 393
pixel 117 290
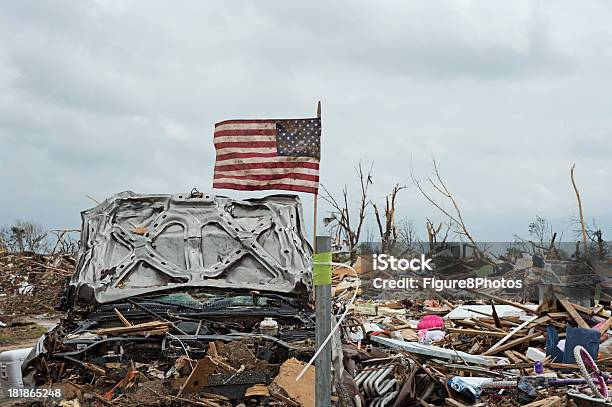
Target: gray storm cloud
pixel 98 97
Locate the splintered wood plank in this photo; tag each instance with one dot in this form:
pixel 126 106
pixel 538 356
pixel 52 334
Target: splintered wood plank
pixel 606 325
pixel 477 332
pixel 156 327
pixel 512 357
pixel 122 318
pixel 512 344
pixel 560 314
pixel 569 307
pixel 513 332
pixel 198 378
pixel 212 350
pixel 539 321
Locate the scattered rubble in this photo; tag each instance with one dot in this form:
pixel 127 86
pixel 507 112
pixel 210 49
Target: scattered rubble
pixel 154 318
pixel 486 348
pixel 31 284
pixel 222 317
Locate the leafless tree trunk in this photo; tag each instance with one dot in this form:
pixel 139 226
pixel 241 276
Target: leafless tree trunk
pixel 432 235
pixel 388 233
pixel 457 217
pixel 407 238
pixel 341 211
pixel 582 225
pixel 24 236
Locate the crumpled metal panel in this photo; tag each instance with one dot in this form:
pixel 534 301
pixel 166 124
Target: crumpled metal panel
pixel 132 244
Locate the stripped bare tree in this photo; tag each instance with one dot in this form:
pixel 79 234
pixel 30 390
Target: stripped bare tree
pixel 455 215
pixel 582 224
pixel 341 216
pixel 407 238
pixel 388 232
pixel 24 236
pixel 434 235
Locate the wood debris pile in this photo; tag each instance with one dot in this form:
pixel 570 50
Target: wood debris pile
pixel 32 284
pixel 494 351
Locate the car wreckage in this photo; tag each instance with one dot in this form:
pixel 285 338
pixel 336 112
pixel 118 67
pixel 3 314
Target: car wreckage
pixel 165 278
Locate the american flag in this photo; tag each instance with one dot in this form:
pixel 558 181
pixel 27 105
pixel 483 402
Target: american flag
pixel 268 154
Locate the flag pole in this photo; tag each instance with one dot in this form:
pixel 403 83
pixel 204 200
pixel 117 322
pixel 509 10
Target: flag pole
pixel 323 315
pixel 316 196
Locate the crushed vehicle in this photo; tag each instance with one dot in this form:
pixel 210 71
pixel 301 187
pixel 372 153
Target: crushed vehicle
pixel 164 282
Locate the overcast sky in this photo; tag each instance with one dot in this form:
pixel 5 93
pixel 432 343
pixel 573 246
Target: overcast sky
pixel 98 97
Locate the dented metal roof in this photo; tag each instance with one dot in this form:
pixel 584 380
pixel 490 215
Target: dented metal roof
pixel 133 244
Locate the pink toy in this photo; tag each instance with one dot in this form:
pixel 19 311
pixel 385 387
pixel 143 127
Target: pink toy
pixel 431 322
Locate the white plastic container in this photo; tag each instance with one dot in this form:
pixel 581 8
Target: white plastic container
pixel 268 327
pixel 10 369
pixel 535 354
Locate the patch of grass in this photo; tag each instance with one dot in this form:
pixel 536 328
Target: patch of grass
pixel 16 334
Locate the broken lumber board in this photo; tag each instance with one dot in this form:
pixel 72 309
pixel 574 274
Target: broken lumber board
pixel 147 327
pixel 587 310
pixel 277 395
pixel 569 307
pixel 512 333
pixel 491 317
pixel 559 314
pixel 606 325
pixel 553 365
pixel 476 332
pixel 122 318
pixel 480 371
pixel 520 356
pixel 257 390
pixel 539 321
pixel 198 378
pixel 512 344
pixel 212 350
pixel 490 327
pixel 512 357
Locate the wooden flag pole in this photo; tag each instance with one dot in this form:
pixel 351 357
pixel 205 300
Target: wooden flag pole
pixel 316 196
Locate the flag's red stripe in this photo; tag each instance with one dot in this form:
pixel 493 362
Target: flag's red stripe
pixel 231 156
pixel 246 144
pixel 297 188
pixel 240 121
pixel 268 177
pixel 238 167
pixel 245 132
